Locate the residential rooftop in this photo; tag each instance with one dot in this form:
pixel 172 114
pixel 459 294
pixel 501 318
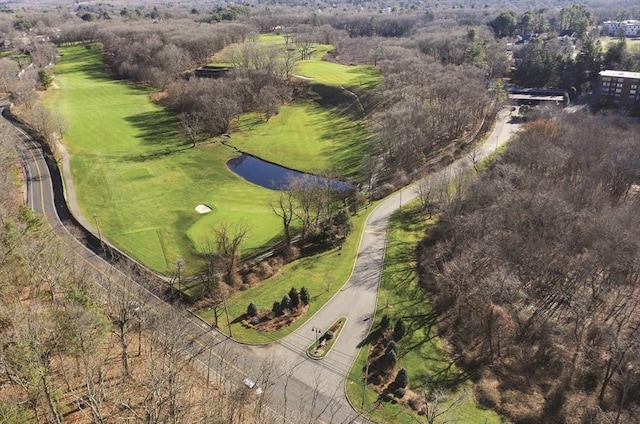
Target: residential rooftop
pixel 620 74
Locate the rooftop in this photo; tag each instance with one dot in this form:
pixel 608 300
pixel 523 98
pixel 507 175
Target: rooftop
pixel 620 74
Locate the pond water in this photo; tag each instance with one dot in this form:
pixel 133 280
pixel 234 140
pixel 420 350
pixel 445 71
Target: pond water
pixel 276 177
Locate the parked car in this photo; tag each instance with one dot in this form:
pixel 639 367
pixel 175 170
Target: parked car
pixel 252 385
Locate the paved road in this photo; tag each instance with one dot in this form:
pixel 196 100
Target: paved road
pixel 45 194
pixel 295 382
pixel 358 298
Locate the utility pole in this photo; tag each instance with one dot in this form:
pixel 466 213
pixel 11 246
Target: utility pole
pixel 179 264
pixel 226 311
pixel 95 217
pixel 364 386
pixel 317 330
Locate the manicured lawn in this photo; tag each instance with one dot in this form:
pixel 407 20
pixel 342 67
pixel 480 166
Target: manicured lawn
pixel 306 137
pixel 420 352
pixel 336 74
pixel 319 70
pixel 133 169
pixel 633 44
pixel 322 274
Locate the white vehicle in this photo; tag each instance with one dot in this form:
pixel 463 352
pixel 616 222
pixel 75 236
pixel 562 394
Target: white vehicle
pixel 252 385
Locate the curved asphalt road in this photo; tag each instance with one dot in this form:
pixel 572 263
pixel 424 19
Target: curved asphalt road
pixel 297 383
pixel 357 299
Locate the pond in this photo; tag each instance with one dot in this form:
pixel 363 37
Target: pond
pixel 276 177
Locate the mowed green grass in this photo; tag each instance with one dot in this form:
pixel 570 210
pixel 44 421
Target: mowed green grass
pixel 306 137
pixel 420 352
pixel 330 73
pixel 633 44
pixel 132 169
pixel 322 274
pixel 315 68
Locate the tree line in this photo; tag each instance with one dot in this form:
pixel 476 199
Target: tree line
pixel 533 272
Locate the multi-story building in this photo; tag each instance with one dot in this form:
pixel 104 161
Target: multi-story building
pixel 629 28
pixel 620 88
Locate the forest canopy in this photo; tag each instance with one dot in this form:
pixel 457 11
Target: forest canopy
pixel 535 274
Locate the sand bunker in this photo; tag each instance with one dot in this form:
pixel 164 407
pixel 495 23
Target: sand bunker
pixel 203 209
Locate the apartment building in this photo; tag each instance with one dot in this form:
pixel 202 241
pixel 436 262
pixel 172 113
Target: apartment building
pixel 620 88
pixel 629 28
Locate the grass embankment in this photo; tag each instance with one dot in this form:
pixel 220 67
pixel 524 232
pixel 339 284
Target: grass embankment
pixel 420 352
pixel 322 274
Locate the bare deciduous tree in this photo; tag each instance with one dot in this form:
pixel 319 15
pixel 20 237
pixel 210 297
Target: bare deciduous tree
pixel 228 239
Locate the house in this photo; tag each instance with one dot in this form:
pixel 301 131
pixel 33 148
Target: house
pixel 567 33
pixel 628 28
pixel 619 88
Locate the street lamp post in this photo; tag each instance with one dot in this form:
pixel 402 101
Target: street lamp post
pixel 95 217
pixel 317 330
pixel 179 265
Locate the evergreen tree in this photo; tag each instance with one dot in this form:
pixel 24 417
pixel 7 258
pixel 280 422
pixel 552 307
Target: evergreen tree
pixel 392 346
pixel 276 309
pixel 295 297
pixel 285 303
pixel 385 323
pixel 398 330
pixel 390 359
pixel 252 310
pixel 402 379
pixel 304 296
pixel 45 78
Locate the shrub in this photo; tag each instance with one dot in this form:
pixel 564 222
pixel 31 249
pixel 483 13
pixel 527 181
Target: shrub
pixel 328 335
pixel 45 78
pixel 251 279
pixel 285 303
pixel 295 297
pixel 277 309
pixel 304 296
pixel 399 392
pixel 290 253
pixel 398 330
pixel 392 346
pixel 265 270
pixel 252 309
pixel 402 379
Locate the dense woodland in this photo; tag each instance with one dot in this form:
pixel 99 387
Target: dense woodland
pixel 533 272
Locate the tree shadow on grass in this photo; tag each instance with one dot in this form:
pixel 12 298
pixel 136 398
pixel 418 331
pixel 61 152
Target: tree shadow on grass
pixel 160 131
pixel 371 337
pixel 157 128
pixel 87 61
pixel 352 145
